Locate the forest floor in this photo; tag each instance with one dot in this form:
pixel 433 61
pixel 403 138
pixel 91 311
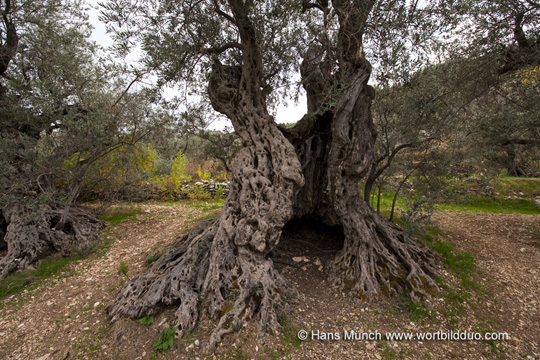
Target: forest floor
pixel 64 317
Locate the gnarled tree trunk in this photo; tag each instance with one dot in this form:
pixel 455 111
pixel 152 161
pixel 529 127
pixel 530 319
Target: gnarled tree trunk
pixel 335 150
pixel 312 169
pixel 31 235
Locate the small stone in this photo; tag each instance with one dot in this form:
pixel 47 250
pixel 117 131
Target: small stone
pixel 370 346
pixel 197 343
pixel 96 304
pixel 522 249
pixel 297 258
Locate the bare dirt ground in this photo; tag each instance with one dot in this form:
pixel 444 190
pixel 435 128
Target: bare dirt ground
pixel 64 318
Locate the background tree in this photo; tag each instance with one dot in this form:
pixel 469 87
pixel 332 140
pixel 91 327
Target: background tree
pixel 60 115
pixel 505 45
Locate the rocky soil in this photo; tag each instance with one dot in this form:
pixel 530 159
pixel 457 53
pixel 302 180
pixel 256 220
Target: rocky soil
pixel 64 318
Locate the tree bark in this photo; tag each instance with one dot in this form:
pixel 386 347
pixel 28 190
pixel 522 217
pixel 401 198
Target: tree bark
pixel 31 235
pixel 225 261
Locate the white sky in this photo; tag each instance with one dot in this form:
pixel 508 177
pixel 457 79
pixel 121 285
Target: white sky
pixel 285 114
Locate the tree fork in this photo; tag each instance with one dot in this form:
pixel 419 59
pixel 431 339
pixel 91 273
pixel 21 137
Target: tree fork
pixel 312 169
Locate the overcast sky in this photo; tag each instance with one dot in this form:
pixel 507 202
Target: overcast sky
pixel 285 114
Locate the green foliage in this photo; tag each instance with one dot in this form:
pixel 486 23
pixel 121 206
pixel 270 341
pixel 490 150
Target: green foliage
pixel 165 341
pixel 146 156
pixel 197 193
pixel 123 269
pixel 203 175
pixel 150 259
pixel 147 320
pixel 417 213
pixel 31 279
pixel 66 115
pixel 219 193
pixel 178 173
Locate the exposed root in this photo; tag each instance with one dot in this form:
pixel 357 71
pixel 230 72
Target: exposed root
pixel 260 294
pixel 176 277
pixel 231 289
pixel 380 260
pixel 31 235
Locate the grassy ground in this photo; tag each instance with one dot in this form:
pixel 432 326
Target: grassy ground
pixel 510 196
pixel 29 280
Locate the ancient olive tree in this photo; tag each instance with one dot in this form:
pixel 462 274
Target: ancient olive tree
pixel 244 50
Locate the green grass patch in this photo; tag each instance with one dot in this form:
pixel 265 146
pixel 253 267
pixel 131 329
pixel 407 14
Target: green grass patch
pixel 150 259
pixel 385 202
pixel 506 186
pixel 31 279
pixel 492 205
pixel 417 313
pixel 206 206
pixel 237 354
pixel 119 216
pixel 461 264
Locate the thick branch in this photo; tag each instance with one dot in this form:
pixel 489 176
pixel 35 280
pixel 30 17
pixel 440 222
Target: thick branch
pixel 223 14
pixel 9 49
pixel 252 68
pixel 519 34
pixel 222 48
